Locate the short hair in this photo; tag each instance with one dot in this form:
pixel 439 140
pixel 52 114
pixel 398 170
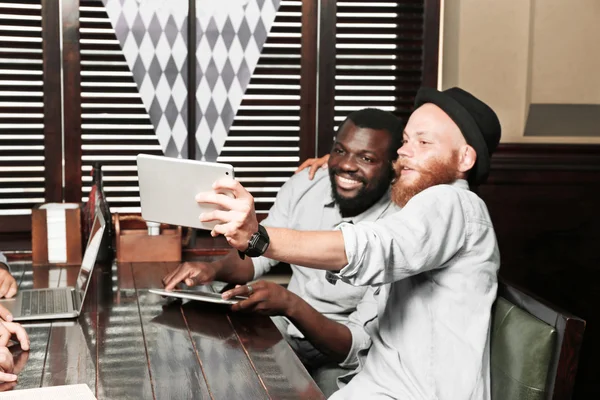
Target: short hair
pixel 374 118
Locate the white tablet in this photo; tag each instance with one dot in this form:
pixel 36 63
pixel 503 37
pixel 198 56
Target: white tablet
pixel 196 295
pixel 168 188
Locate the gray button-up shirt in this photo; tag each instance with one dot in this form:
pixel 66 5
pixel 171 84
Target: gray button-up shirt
pixel 438 259
pixel 305 204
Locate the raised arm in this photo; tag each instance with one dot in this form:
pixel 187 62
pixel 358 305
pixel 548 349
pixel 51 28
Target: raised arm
pixel 315 249
pixel 426 234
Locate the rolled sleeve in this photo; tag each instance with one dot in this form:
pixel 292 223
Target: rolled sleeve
pixel 424 235
pixel 360 341
pixel 262 265
pixel 366 251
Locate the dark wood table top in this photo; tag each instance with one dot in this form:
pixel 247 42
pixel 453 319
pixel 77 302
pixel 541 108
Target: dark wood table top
pixel 131 344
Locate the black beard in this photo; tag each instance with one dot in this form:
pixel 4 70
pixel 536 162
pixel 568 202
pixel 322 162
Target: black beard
pixel 351 207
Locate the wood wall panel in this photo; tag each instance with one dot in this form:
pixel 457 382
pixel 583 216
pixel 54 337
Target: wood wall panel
pixel 308 78
pixel 543 200
pixel 52 101
pixel 326 126
pixel 431 43
pixel 72 100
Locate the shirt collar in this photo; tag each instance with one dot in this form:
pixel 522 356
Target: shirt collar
pixel 461 184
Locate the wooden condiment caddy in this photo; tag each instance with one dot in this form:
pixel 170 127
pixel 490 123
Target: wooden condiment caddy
pixel 134 244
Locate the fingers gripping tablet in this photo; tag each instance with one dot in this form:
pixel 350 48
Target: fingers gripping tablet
pixel 168 187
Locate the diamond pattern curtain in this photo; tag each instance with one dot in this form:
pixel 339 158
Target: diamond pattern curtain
pixel 229 40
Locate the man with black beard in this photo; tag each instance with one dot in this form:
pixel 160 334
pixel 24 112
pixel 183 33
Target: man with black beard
pixel 323 321
pixel 436 259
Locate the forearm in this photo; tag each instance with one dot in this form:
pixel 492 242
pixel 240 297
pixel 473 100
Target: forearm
pixel 312 249
pixel 329 337
pixel 233 269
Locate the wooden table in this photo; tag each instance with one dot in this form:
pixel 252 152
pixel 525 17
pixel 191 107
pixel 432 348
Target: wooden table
pixel 131 344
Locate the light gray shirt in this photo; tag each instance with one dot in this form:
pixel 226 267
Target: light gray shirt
pixel 304 204
pixel 438 260
pixel 4 262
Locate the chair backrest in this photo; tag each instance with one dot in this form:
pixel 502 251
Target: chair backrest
pixel 534 347
pixel 521 353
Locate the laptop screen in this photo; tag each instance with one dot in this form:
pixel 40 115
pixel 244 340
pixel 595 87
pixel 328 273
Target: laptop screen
pixel 91 252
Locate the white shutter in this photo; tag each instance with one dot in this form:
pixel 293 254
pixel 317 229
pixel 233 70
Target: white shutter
pixel 115 124
pixel 21 109
pixel 263 142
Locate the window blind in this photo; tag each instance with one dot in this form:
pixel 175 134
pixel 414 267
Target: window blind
pixel 263 142
pixel 115 124
pixel 379 61
pixel 21 107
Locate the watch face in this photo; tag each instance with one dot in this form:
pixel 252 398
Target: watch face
pixel 258 243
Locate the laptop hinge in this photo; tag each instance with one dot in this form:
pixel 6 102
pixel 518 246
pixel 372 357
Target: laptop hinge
pixel 76 300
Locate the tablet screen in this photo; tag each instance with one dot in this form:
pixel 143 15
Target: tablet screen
pixel 196 295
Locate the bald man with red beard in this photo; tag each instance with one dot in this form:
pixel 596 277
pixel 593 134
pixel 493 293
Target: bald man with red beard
pixel 436 259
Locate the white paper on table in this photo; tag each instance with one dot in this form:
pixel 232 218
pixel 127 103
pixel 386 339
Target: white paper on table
pixel 65 392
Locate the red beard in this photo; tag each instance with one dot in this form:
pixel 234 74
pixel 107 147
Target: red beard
pixel 438 172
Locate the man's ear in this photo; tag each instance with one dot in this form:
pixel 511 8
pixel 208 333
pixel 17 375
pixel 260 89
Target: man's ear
pixel 466 158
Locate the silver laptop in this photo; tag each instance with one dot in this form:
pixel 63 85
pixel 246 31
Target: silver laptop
pixel 64 302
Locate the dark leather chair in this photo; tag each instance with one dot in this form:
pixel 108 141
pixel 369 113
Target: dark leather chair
pixel 534 347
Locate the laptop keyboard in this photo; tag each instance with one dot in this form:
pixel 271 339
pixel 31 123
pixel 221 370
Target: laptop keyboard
pixel 44 302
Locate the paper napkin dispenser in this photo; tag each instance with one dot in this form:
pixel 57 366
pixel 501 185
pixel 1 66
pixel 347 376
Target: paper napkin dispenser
pixel 56 234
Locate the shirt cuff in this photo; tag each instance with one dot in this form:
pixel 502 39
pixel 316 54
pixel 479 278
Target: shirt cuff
pixel 350 247
pixel 4 265
pixel 262 265
pixel 360 341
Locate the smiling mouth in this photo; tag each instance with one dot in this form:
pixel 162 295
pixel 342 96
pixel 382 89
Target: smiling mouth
pixel 347 183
